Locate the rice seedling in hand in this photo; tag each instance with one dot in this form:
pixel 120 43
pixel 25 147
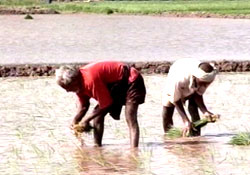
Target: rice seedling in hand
pixel 206 119
pixel 242 138
pixel 80 128
pixel 203 122
pixel 177 132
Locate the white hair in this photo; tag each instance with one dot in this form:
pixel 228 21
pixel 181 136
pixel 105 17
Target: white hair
pixel 66 74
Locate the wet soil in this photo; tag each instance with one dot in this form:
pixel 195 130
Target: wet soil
pixel 36 139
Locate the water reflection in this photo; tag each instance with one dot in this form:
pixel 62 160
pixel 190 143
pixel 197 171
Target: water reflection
pixel 92 160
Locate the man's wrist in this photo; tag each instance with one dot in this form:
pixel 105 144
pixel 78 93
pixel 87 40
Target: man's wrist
pixel 75 122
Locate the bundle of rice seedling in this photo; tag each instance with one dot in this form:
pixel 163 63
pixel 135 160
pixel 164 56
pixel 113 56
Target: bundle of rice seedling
pixel 242 138
pixel 177 132
pixel 80 128
pixel 174 133
pixel 206 119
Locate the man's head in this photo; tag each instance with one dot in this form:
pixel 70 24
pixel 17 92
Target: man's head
pixel 204 76
pixel 69 78
pixel 205 73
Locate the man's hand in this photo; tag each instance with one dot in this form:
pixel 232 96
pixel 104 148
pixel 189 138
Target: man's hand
pixel 82 127
pixel 186 129
pixel 73 124
pixel 211 117
pixel 81 111
pixel 86 127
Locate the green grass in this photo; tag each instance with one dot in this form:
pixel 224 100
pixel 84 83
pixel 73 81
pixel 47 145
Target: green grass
pixel 20 2
pixel 158 7
pixel 242 138
pixel 219 7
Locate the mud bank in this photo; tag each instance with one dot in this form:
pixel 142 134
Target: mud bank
pixel 144 67
pixel 38 10
pixel 27 10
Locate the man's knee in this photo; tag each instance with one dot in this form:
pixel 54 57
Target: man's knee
pixel 131 108
pixel 98 121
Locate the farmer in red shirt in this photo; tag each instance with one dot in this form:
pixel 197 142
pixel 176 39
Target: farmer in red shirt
pixel 112 85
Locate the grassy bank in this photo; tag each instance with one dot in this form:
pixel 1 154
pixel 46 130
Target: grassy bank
pixel 217 7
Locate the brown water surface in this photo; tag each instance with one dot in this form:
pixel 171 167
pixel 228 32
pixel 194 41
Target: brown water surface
pixel 85 38
pixel 36 139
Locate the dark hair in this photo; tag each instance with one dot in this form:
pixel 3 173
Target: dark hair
pixel 206 67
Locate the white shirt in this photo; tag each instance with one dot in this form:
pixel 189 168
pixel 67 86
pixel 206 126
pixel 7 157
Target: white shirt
pixel 180 82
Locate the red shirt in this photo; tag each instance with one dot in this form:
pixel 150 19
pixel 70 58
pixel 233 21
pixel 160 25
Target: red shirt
pixel 96 76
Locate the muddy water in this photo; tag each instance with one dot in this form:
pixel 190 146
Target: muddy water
pixel 36 139
pixel 84 38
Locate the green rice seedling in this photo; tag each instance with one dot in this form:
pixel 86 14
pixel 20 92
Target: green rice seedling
pixel 20 133
pixel 174 133
pixel 242 138
pixel 79 129
pixel 200 123
pixel 17 152
pixel 119 133
pixel 142 159
pixel 40 153
pixel 97 158
pixel 206 119
pixel 177 133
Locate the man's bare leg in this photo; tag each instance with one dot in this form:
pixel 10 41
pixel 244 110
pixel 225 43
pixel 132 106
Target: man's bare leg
pixel 131 118
pixel 98 130
pixel 193 110
pixel 167 117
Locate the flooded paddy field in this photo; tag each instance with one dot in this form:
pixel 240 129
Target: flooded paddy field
pixel 74 38
pixel 35 137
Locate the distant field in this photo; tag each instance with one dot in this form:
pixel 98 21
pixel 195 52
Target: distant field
pixel 217 7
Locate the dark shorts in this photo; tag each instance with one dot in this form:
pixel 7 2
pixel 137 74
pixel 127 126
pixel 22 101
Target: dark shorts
pixel 136 91
pixel 124 93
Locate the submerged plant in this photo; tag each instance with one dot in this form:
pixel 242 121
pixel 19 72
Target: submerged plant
pixel 242 138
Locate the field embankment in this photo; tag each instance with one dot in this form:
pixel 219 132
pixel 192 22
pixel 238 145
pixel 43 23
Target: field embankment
pixel 179 8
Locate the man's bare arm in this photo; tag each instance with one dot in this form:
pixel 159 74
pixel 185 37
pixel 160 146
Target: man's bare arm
pixel 81 111
pixel 181 110
pixel 200 103
pixel 95 113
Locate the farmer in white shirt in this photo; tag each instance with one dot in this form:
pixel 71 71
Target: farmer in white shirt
pixel 187 79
